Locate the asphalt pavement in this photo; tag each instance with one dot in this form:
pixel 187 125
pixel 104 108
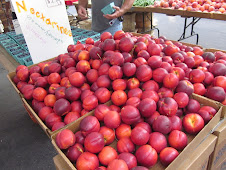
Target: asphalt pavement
pixel 23 144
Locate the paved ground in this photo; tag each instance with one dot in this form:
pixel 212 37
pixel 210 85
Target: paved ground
pixel 23 144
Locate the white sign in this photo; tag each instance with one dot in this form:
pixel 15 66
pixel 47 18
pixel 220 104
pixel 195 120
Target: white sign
pixel 45 27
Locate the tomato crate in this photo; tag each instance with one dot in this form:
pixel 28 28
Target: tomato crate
pixel 21 56
pixel 17 36
pixel 91 33
pixel 198 146
pixel 28 61
pixel 96 37
pixel 25 47
pixel 21 41
pixel 78 31
pixel 15 49
pixel 5 37
pixel 7 42
pixel 11 33
pixel 74 33
pixel 18 52
pixel 79 38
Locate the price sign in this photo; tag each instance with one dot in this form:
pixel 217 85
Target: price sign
pixel 45 27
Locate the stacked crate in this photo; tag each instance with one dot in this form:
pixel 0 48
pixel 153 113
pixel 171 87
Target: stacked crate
pixel 23 55
pixel 15 46
pixel 81 35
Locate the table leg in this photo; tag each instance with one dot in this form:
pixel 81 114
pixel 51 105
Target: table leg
pixel 192 33
pixel 152 26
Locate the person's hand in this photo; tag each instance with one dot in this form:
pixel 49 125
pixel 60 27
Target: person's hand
pixel 82 13
pixel 118 12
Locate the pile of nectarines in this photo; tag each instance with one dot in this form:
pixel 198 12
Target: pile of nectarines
pixel 149 82
pixel 216 6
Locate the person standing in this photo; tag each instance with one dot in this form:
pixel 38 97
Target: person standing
pixel 101 22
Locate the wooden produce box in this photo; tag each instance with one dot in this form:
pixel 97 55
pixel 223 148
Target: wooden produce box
pixel 195 141
pixel 218 158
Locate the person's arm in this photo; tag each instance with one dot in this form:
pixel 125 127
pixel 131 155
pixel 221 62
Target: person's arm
pixel 120 11
pixel 82 5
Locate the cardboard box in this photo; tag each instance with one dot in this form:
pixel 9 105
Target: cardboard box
pixel 198 160
pixel 192 148
pixel 48 131
pixel 73 127
pixel 60 163
pixel 224 111
pixel 27 104
pixel 219 154
pixel 35 118
pixel 10 76
pixel 222 166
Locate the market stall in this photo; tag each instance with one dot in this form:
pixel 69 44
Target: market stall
pixel 122 101
pixel 195 15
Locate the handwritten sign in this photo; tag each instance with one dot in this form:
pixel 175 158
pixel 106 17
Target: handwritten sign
pixel 45 27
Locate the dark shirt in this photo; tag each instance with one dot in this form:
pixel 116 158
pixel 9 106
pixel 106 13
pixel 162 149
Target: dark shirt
pixel 100 23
